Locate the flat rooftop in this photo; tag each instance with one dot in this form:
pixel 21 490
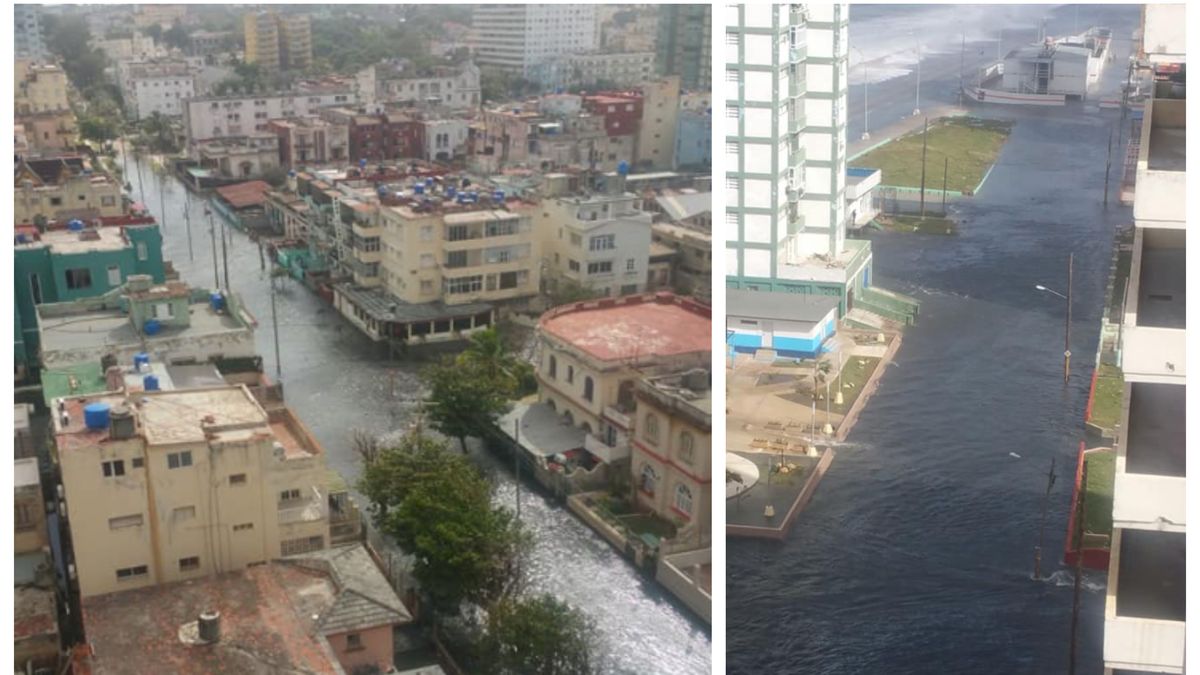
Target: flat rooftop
pixel 1168 149
pixel 779 306
pixel 25 473
pixel 181 416
pixel 543 432
pixel 34 612
pixel 1156 439
pixel 635 326
pixel 1152 575
pixel 98 329
pixel 66 242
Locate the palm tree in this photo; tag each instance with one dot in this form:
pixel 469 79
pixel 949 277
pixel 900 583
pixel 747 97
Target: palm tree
pixel 488 351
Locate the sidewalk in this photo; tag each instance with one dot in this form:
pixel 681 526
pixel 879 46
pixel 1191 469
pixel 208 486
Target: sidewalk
pixel 900 128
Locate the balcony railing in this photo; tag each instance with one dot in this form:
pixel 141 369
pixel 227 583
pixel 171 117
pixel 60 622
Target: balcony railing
pixel 310 510
pixel 606 453
pixel 618 418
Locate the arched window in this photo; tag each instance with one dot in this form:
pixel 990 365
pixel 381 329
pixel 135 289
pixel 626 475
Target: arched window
pixel 589 388
pixel 683 500
pixel 651 432
pixel 553 366
pixel 550 404
pixel 569 418
pixel 649 480
pixel 587 428
pixel 686 443
pixel 570 374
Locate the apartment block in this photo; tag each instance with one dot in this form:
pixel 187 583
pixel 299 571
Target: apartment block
pixel 684 44
pixel 1144 619
pixel 518 38
pixel 603 69
pixel 216 117
pixel 310 140
pixel 555 133
pixel 39 88
pixel 159 86
pixel 600 241
pixel 383 136
pixel 659 123
pixel 786 149
pixel 46 133
pixel 295 41
pixel 137 47
pixel 165 16
pixel 27 30
pixel 672 458
pixel 64 188
pixel 452 87
pixel 278 41
pixel 35 605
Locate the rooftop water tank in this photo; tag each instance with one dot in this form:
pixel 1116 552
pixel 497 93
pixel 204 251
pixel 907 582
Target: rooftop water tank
pixel 451 191
pixel 217 302
pixel 95 415
pixel 462 198
pixel 429 182
pixel 498 195
pixel 419 188
pixel 623 168
pixel 362 163
pixel 151 327
pixel 141 360
pixel 150 383
pixel 75 225
pixel 22 239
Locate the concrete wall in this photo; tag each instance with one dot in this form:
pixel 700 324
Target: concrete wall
pixel 376 648
pixel 675 573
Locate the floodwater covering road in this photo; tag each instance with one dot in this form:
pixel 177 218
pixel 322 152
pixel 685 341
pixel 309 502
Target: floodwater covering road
pixel 338 381
pixel 916 553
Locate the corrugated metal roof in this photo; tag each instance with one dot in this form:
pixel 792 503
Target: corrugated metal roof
pixel 242 195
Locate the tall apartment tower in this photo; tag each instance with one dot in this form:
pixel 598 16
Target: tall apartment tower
pixel 685 44
pixel 28 31
pixel 785 146
pixel 277 41
pixel 518 38
pixel 1144 617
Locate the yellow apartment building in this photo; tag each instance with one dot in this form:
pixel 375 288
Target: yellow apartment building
pixel 171 485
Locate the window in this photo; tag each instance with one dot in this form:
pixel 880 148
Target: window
pixel 651 432
pixel 570 374
pixel 683 500
pixel 137 462
pixel 289 495
pixel 112 468
pixel 79 278
pixel 603 242
pixel 573 265
pixel 353 642
pixel 55 201
pixel 114 275
pixel 121 522
pixel 553 368
pixel 603 267
pixel 589 388
pixel 108 200
pixel 143 252
pixel 190 564
pixel 457 233
pixel 301 545
pixel 130 573
pixel 629 289
pixel 686 442
pixel 184 513
pixel 177 460
pixel 426 285
pixel 456 259
pixel 649 480
pixel 427 261
pixel 472 284
pixel 243 527
pixel 426 233
pixel 237 479
pixel 630 264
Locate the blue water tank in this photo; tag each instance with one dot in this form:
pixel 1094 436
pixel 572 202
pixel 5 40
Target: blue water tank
pixel 362 163
pixel 150 383
pixel 451 191
pixel 216 301
pixel 95 415
pixel 473 196
pixel 463 198
pixel 22 239
pixel 429 182
pixel 151 327
pixel 623 168
pixel 139 360
pixel 381 190
pixel 419 188
pixel 75 225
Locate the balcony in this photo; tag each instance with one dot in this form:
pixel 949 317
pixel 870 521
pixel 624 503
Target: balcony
pixel 309 510
pixel 603 451
pixel 617 417
pixel 1145 605
pixel 1149 491
pixel 1161 200
pixel 1154 348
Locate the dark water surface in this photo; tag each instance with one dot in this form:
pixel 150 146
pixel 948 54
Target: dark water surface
pixel 916 553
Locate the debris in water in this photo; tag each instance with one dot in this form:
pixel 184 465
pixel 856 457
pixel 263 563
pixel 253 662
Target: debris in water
pixel 1013 454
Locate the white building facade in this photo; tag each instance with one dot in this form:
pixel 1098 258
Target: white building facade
pixel 785 150
pixel 150 87
pixel 217 117
pixel 601 242
pixel 517 38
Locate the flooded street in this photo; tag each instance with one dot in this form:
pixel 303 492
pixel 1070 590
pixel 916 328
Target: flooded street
pixel 338 381
pixel 916 554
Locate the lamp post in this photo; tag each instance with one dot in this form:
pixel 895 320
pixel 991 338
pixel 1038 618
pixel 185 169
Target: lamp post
pixel 917 107
pixel 1067 328
pixel 866 97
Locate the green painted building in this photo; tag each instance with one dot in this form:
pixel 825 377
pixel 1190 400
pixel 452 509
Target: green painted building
pixel 66 265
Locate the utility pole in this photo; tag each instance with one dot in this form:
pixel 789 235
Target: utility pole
pixel 517 464
pixel 962 56
pixel 1067 339
pixel 999 44
pixel 1078 534
pixel 1037 551
pixel 275 329
pixel 141 189
pixel 866 103
pixel 162 203
pixel 917 107
pixel 212 235
pixel 224 253
pixel 924 151
pixel 945 173
pixel 1108 166
pixel 187 222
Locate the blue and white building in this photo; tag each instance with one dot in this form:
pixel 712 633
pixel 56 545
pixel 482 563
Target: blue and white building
pixel 793 325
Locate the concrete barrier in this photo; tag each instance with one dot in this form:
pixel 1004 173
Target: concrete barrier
pixel 674 574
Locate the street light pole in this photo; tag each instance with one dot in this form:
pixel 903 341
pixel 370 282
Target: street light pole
pixel 917 107
pixel 1067 332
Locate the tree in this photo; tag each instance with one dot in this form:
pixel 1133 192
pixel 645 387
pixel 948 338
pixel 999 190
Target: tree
pixel 540 635
pixel 177 36
pixel 463 401
pixel 488 352
pixel 438 507
pixel 155 31
pixel 68 37
pixel 98 128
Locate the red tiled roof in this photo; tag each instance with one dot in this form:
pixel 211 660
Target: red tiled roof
pixel 636 326
pixel 242 195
